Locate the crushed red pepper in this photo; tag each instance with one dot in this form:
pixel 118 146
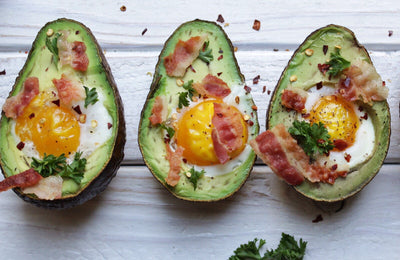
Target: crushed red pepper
pixel 20 145
pixel 325 49
pixel 3 72
pixel 256 25
pixel 220 19
pixel 77 109
pixel 256 79
pixel 144 31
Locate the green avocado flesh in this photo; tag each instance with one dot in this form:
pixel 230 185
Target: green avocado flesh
pixel 104 161
pixel 151 138
pixel 308 75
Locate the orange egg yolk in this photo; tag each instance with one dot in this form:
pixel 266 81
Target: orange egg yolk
pixel 193 133
pixel 52 129
pixel 338 116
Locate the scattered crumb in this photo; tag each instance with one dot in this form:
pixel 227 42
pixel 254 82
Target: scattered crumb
pixel 3 72
pixel 256 79
pixel 226 24
pixel 318 218
pixel 123 8
pixel 390 33
pixel 276 49
pixel 220 19
pixel 144 31
pixel 264 89
pixel 150 74
pixel 256 25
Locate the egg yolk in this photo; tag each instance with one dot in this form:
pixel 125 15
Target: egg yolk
pixel 52 129
pixel 193 133
pixel 338 116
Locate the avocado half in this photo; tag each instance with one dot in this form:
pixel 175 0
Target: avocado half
pixel 151 138
pixel 306 69
pixel 103 163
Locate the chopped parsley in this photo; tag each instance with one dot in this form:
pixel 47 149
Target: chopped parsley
pixel 91 96
pixel 206 54
pixel 313 138
pixel 169 130
pixel 184 97
pixel 194 176
pixel 337 63
pixel 52 165
pixel 288 249
pixel 51 44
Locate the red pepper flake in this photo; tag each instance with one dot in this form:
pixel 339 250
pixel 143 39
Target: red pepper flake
pixel 276 50
pixel 264 89
pixel 334 167
pixel 360 108
pixel 250 123
pixel 20 145
pixel 220 115
pixel 77 109
pixel 192 69
pixel 247 88
pixel 365 116
pixel 3 72
pixel 390 33
pixel 26 52
pixel 256 79
pixel 46 69
pixel 144 31
pixel 184 160
pixel 220 57
pixel 77 32
pixel 347 157
pixel 56 102
pixel 109 125
pixel 306 115
pixel 220 19
pixel 254 107
pixel 325 49
pixel 323 68
pixel 31 116
pixel 219 74
pixel 319 85
pixel 340 144
pixel 123 8
pixel 256 25
pixel 318 218
pixel 383 83
pixel 269 92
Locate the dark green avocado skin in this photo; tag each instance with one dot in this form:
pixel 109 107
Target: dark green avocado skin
pixel 109 171
pixel 358 178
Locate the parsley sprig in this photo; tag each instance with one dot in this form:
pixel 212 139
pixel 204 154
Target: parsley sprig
pixel 205 53
pixel 288 249
pixel 52 165
pixel 337 63
pixel 91 96
pixel 195 176
pixel 313 138
pixel 51 44
pixel 184 97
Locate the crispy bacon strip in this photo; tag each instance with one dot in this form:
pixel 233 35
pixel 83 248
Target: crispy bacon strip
pixel 159 111
pixel 175 160
pixel 227 131
pixel 72 53
pixel 212 87
pixel 184 54
pixel 69 90
pixel 294 98
pixel 22 180
pixel 14 106
pixel 362 82
pixel 280 151
pixel 48 188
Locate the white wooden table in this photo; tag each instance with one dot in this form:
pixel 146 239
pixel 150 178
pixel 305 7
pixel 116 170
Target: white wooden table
pixel 136 218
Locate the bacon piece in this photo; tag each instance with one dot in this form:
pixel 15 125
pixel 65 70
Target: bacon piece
pixel 175 160
pixel 212 87
pixel 227 132
pixel 14 106
pixel 72 53
pixel 280 151
pixel 48 188
pixel 294 98
pixel 362 82
pixel 24 179
pixel 159 111
pixel 184 54
pixel 69 90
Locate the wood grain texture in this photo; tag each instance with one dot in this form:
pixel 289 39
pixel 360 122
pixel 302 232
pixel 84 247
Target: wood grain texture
pixel 136 218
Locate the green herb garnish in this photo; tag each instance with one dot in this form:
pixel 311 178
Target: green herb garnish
pixel 169 130
pixel 194 176
pixel 91 96
pixel 51 44
pixel 206 54
pixel 312 138
pixel 337 63
pixel 288 249
pixel 52 165
pixel 185 96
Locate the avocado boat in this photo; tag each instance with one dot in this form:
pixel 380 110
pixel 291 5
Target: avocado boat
pixel 62 130
pixel 198 116
pixel 331 65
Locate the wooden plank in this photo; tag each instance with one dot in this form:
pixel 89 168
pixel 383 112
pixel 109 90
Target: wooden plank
pixel 136 218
